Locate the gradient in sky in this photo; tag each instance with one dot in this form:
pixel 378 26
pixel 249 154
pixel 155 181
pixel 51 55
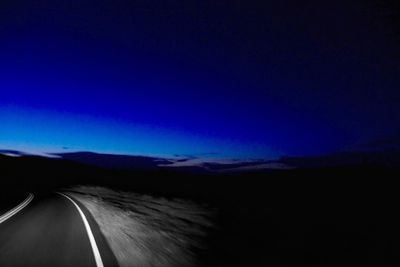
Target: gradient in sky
pixel 239 79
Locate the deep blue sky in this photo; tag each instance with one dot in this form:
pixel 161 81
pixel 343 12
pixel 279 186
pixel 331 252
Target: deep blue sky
pixel 244 79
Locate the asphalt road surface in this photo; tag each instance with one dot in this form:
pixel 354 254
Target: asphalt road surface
pixel 52 230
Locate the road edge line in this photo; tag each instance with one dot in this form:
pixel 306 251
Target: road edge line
pixel 17 209
pixel 95 249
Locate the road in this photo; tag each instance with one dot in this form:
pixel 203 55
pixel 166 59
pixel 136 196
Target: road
pixel 52 230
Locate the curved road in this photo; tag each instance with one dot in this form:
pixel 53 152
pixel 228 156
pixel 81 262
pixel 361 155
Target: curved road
pixel 50 231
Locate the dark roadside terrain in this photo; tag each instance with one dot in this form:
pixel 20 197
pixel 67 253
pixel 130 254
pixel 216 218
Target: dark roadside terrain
pixel 331 216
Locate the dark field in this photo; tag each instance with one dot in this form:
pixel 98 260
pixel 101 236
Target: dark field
pixel 10 198
pixel 144 230
pixel 322 217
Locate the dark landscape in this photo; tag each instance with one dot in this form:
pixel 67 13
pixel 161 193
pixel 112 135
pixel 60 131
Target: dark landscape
pixel 329 216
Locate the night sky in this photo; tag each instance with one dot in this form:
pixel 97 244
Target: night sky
pixel 238 79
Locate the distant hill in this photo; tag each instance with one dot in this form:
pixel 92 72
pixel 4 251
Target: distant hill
pixel 388 157
pixel 111 161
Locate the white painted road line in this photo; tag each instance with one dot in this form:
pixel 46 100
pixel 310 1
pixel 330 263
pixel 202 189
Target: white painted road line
pixel 96 253
pixel 15 210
